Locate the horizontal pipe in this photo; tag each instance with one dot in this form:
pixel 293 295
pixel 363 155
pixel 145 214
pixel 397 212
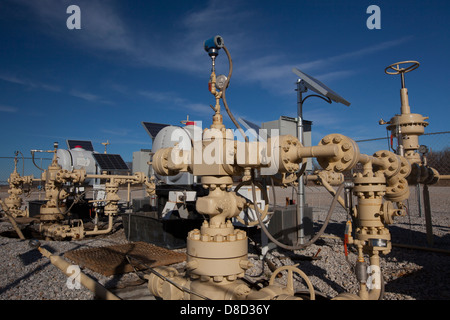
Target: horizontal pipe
pixel 364 159
pixel 85 280
pixel 318 151
pixel 104 176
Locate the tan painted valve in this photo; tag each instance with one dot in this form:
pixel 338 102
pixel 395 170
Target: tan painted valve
pixel 347 153
pixel 395 169
pixel 406 126
pixel 16 186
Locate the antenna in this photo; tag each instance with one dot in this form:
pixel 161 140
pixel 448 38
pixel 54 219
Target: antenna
pixel 105 144
pixel 187 122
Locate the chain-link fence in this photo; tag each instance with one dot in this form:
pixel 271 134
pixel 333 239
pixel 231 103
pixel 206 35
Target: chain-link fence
pixel 437 146
pixel 25 167
pixel 437 155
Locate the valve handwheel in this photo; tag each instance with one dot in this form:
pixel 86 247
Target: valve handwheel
pixel 290 279
pixel 395 67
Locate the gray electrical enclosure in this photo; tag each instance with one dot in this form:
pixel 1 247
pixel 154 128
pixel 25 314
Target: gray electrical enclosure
pixel 140 161
pixel 283 224
pixel 288 125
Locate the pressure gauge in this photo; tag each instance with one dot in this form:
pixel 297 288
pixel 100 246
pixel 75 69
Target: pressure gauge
pixel 423 149
pixel 220 81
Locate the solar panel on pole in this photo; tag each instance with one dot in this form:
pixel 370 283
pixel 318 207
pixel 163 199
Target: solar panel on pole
pixel 318 87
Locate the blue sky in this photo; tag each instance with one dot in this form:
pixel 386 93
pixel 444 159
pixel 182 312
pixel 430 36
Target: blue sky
pixel 135 61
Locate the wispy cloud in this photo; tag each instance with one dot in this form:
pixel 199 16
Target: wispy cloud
pixel 84 95
pixel 105 30
pixel 327 119
pixel 273 72
pixel 102 26
pixel 171 99
pixel 90 97
pixel 335 75
pixel 117 131
pixel 53 88
pixel 29 83
pixel 324 62
pixel 8 109
pixel 199 108
pixel 167 97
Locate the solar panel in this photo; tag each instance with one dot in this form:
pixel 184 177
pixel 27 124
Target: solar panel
pixel 318 87
pixel 249 125
pixel 251 128
pixel 153 128
pixel 108 161
pixel 86 145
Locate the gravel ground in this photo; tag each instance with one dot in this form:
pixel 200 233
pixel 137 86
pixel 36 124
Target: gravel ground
pixel 409 274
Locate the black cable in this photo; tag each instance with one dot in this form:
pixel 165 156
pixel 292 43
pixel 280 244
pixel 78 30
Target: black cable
pixel 32 159
pixel 318 234
pixel 224 98
pixel 327 99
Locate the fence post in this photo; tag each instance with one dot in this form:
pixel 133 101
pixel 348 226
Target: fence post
pixel 428 222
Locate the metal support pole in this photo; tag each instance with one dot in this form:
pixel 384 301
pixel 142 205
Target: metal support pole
pixel 428 222
pixel 419 199
pixel 301 187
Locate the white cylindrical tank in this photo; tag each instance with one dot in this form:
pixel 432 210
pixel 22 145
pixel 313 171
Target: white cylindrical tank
pixel 77 158
pixel 183 136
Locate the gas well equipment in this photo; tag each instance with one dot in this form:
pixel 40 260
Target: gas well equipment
pixel 217 254
pixel 55 215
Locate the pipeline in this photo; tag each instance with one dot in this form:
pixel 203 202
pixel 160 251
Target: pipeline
pixel 92 285
pixel 366 292
pixel 12 220
pixel 161 276
pixel 103 231
pixel 370 287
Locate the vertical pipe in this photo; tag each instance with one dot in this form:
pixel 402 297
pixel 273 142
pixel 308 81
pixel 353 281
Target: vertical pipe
pixel 128 194
pixel 419 199
pixel 301 187
pixel 375 292
pixel 428 222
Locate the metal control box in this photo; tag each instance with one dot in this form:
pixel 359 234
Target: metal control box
pixel 287 125
pixel 284 226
